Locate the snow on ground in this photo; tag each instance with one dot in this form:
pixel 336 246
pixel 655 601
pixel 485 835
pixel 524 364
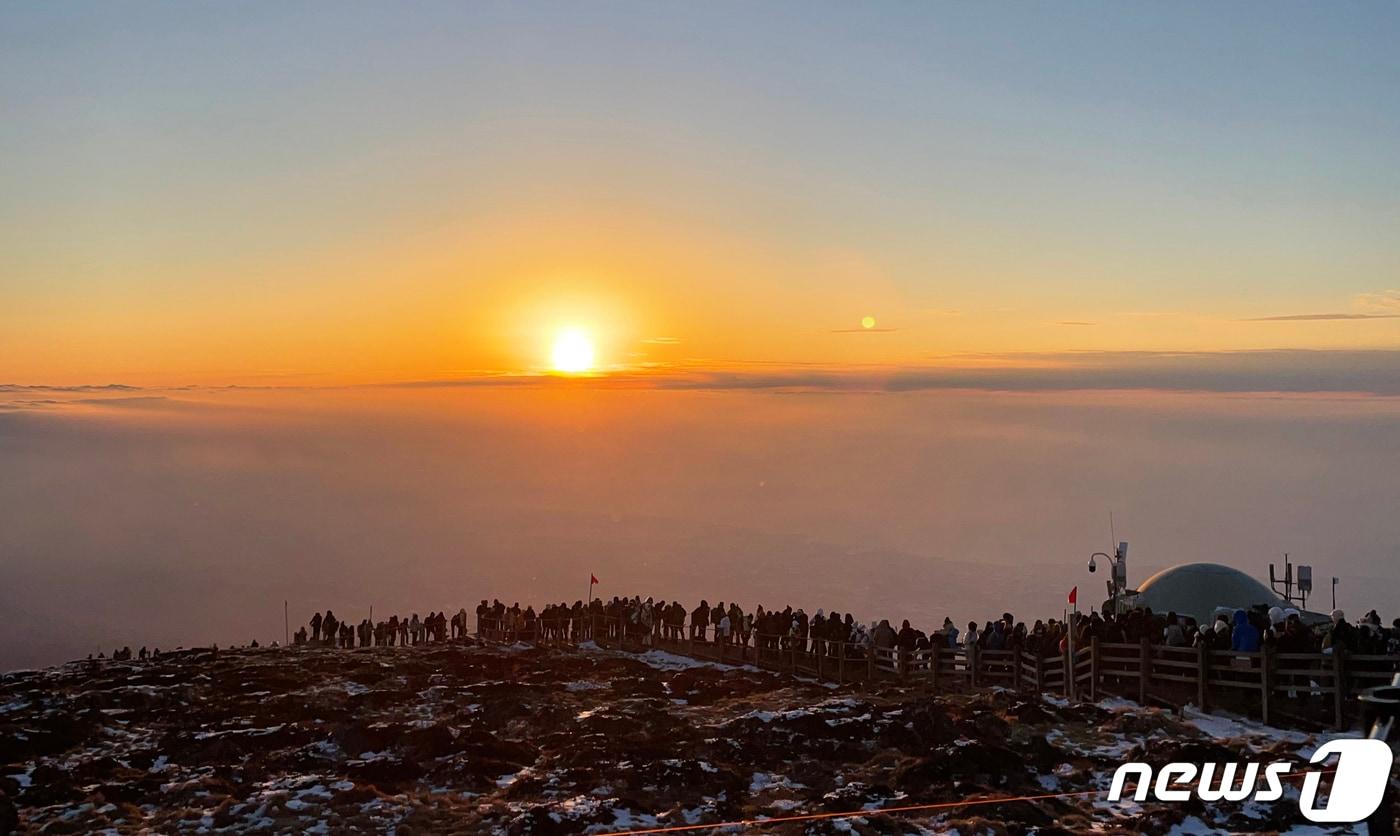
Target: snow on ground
pixel 508 739
pixel 764 781
pixel 1229 727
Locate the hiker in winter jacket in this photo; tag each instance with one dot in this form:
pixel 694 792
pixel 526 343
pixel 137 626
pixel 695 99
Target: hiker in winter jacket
pixel 1245 636
pixel 971 637
pixel 907 636
pixel 884 635
pixel 996 639
pixel 1341 635
pixel 699 620
pixel 1174 635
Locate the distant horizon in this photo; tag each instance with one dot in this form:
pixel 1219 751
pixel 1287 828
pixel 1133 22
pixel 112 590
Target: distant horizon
pixel 1372 371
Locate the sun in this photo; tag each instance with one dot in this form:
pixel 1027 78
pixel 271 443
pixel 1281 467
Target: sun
pixel 572 353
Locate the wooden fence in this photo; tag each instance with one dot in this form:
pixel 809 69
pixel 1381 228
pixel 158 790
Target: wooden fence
pixel 1297 689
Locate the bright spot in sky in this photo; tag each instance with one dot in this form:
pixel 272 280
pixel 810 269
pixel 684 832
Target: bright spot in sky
pixel 867 322
pixel 573 352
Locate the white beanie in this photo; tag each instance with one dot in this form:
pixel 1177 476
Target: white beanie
pixel 1338 615
pixel 1221 626
pixel 1275 615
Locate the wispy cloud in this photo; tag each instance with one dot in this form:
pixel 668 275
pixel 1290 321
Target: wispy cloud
pixel 1375 372
pixel 1320 317
pixel 863 330
pixel 1074 322
pixel 1371 372
pixel 1385 300
pixel 130 402
pixel 104 387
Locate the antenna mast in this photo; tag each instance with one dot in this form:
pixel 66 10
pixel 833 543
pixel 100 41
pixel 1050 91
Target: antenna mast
pixel 1304 583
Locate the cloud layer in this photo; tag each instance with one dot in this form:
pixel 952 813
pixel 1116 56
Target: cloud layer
pixel 190 519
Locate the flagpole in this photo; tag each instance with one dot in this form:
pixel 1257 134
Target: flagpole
pixel 1069 668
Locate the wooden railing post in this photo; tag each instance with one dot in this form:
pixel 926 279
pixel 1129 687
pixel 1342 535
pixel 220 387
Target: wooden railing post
pixel 1144 670
pixel 1339 692
pixel 1039 674
pixel 1094 669
pixel 870 663
pixel 1202 676
pixel 934 652
pixel 972 665
pixel 1266 681
pixel 1067 666
pixel 841 662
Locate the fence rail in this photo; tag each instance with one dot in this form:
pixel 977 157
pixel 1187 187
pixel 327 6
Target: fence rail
pixel 1310 689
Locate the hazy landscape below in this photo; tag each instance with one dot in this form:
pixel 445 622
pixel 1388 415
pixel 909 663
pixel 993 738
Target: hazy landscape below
pixel 185 517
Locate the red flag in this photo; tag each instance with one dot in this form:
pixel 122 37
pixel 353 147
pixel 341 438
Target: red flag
pixel 1074 595
pixel 592 579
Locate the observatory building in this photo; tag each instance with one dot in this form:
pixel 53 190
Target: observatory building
pixel 1198 589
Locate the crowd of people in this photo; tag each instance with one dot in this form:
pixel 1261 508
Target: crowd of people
pixel 790 628
pixel 787 629
pixel 330 631
pixel 649 620
pixel 125 655
pixel 1276 628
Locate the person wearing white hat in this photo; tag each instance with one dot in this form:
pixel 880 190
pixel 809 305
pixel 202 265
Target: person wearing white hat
pixel 1276 623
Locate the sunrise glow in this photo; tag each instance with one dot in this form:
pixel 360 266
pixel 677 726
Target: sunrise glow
pixel 572 353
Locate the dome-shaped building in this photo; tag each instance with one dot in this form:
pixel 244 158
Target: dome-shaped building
pixel 1197 589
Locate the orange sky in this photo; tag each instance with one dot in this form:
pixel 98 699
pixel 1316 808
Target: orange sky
pixel 490 297
pixel 359 197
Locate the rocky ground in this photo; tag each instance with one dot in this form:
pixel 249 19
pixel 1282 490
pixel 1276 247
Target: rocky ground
pixel 472 739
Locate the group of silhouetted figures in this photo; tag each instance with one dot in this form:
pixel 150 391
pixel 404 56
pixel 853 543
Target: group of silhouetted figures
pixel 329 631
pixel 647 620
pixel 125 655
pixel 1257 628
